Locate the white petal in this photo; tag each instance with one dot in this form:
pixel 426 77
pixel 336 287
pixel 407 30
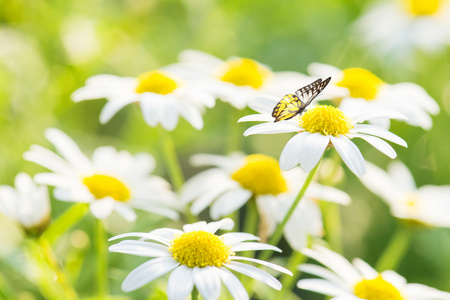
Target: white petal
pixel 191 114
pixel 181 283
pixel 322 272
pixel 264 263
pixel 125 211
pixel 379 132
pixel 68 148
pixel 48 159
pixel 321 286
pixel 147 272
pixel 319 69
pixel 272 128
pixel 347 297
pixel 269 211
pixel 229 202
pixel 296 232
pixel 212 194
pixel 415 291
pixel 89 93
pixel 207 281
pixel 229 162
pixel 170 112
pixel 378 143
pixel 257 117
pixel 237 237
pixel 51 179
pixel 194 226
pixel 114 105
pixel 335 262
pixel 199 57
pixel 366 270
pixel 102 208
pixel 401 175
pixel 381 184
pixel 264 104
pixel 255 273
pixel 328 193
pixel 290 156
pixel 163 235
pixel 314 146
pixel 394 278
pixel 249 246
pixel 129 234
pixel 9 201
pixel 225 224
pixel 350 154
pixel 151 107
pixel 374 114
pixel 162 211
pixel 140 248
pixel 233 284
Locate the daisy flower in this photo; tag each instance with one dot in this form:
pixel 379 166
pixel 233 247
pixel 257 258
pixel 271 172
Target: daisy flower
pixel 111 181
pixel 343 280
pixel 162 95
pixel 237 80
pixel 361 90
pixel 27 204
pixel 198 257
pixel 236 179
pixel 319 128
pixel 423 24
pixel 428 205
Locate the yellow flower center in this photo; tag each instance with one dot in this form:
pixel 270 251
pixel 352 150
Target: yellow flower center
pixel 423 7
pixel 102 186
pixel 377 289
pixel 158 82
pixel 261 174
pixel 200 249
pixel 361 83
pixel 244 71
pixel 325 119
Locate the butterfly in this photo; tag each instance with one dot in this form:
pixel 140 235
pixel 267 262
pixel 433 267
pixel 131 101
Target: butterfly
pixel 291 105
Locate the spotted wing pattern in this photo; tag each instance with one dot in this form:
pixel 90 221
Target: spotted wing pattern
pixel 291 105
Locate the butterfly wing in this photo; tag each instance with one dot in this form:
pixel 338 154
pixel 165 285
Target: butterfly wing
pixel 287 108
pixel 307 93
pixel 291 105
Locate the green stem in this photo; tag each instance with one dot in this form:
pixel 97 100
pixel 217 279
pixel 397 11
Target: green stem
pixel 276 236
pixel 250 222
pixel 53 262
pixel 288 281
pixel 251 217
pixel 171 159
pixel 333 225
pixel 332 211
pixel 65 221
pixel 44 279
pixel 395 250
pixel 173 167
pixel 194 294
pixel 102 259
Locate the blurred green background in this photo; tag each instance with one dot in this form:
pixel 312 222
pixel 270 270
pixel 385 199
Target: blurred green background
pixel 49 48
